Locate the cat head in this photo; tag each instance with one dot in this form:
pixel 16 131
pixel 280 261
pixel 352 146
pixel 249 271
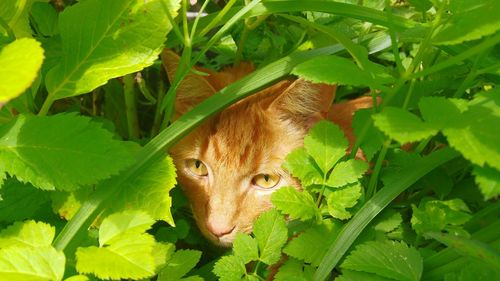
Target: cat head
pixel 230 165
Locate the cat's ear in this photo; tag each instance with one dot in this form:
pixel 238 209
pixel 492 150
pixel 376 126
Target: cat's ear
pixel 193 89
pixel 304 102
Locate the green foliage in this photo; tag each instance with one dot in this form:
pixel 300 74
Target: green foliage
pixel 63 151
pixel 427 177
pixel 121 37
pixel 386 259
pixel 20 61
pixel 299 205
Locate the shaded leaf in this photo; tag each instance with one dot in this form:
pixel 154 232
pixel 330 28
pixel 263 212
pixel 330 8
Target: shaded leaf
pixel 402 125
pixel 488 180
pixel 389 259
pixel 373 138
pixel 20 201
pixel 179 265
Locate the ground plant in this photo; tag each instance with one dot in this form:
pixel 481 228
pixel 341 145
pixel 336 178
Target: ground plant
pixel 88 191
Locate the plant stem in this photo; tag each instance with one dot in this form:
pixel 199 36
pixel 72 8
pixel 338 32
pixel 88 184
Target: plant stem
pixel 130 106
pixel 218 18
pixel 187 38
pixel 7 28
pixel 197 19
pixel 46 105
pixel 372 186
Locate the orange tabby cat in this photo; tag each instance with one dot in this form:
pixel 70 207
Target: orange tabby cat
pixel 230 165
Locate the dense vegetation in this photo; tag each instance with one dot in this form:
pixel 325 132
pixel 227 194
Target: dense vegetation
pixel 87 189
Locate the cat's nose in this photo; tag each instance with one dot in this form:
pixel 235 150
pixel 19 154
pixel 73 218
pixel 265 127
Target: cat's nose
pixel 219 229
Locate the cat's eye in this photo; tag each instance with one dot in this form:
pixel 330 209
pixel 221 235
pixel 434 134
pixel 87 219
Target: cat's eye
pixel 197 167
pixel 266 181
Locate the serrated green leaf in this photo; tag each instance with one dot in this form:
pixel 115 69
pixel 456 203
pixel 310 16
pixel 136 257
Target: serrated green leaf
pixel 19 263
pixel 20 60
pixel 488 180
pixel 441 112
pixel 77 278
pixel 340 200
pixel 16 14
pixel 389 259
pixel 302 166
pixel 63 151
pixel 388 221
pixel 179 265
pixel 306 246
pixel 229 268
pixel 129 256
pixel 347 172
pixel 156 180
pixel 106 39
pixel 291 270
pixel 338 70
pixel 299 205
pixel 436 216
pixel 246 248
pixel 271 234
pixel 372 139
pixel 402 125
pixel 161 253
pixel 350 275
pixel 20 201
pixel 326 143
pixel 117 224
pixel 29 233
pixel 476 136
pixel 470 20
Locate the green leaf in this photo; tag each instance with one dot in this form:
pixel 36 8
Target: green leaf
pixel 18 263
pixel 436 216
pixel 309 246
pixel 470 248
pixel 347 172
pixel 45 17
pixel 129 256
pixel 29 233
pixel 475 135
pixel 179 265
pixel 302 166
pixel 117 224
pixel 340 200
pixel 402 125
pixel 271 233
pixel 488 180
pixel 106 39
pixel 326 143
pixel 20 201
pixel 66 204
pixel 470 20
pixel 246 248
pixel 473 271
pixel 77 278
pixel 63 151
pixel 388 221
pixel 20 60
pixel 16 14
pixel 156 180
pixel 363 125
pixel 441 112
pixel 350 275
pixel 338 70
pixel 291 270
pixel 229 268
pixel 299 205
pixel 389 259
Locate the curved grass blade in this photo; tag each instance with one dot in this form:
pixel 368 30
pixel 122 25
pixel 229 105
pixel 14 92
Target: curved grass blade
pixel 369 211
